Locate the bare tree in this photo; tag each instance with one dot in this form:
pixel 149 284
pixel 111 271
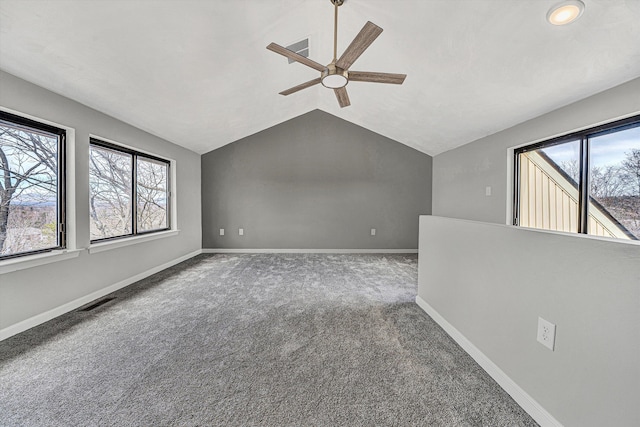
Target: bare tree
pixel 571 168
pixel 28 171
pixel 605 182
pixel 631 170
pixel 152 195
pixel 110 192
pixel 111 195
pixel 615 187
pixel 29 228
pixel 631 202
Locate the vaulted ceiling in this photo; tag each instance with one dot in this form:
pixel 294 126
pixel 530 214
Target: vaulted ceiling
pixel 197 73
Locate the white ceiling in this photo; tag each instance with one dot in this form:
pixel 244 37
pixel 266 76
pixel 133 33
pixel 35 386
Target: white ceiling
pixel 197 72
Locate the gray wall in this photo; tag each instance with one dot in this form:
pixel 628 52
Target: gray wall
pixel 491 282
pixel 314 182
pixel 28 293
pixel 461 175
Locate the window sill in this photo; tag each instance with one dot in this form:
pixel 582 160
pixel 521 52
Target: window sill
pixel 127 241
pixel 29 261
pixel 580 235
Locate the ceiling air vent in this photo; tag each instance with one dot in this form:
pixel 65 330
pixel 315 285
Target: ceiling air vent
pixel 301 48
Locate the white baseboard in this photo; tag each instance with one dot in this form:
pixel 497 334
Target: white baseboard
pixel 533 408
pixel 309 251
pixel 65 308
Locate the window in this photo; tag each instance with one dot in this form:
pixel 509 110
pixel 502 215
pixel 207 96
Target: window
pixel 129 192
pixel 587 182
pixel 32 213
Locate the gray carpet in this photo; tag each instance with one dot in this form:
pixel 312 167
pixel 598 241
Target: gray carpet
pixel 253 340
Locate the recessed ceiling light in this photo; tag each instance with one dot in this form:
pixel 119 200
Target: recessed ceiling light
pixel 565 12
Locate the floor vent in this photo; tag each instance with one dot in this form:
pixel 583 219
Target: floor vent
pixel 97 304
pixel 301 48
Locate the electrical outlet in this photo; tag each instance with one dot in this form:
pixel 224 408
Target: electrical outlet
pixel 241 231
pixel 373 231
pixel 222 231
pixel 487 191
pixel 546 333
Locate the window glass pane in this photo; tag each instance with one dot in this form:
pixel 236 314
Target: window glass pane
pixel 548 192
pixel 152 193
pixel 614 178
pixel 29 196
pixel 110 174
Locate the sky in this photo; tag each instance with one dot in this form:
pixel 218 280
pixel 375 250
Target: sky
pixel 606 150
pixel 21 160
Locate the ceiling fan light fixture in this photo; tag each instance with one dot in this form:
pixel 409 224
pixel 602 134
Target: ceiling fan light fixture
pixel 565 12
pixel 334 78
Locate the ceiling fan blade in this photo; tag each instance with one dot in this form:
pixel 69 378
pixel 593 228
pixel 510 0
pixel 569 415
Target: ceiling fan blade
pixel 363 40
pixel 366 76
pixel 296 57
pixel 343 97
pixel 300 87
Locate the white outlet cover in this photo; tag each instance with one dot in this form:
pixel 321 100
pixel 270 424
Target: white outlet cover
pixel 373 231
pixel 546 333
pixel 241 231
pixel 222 231
pixel 487 191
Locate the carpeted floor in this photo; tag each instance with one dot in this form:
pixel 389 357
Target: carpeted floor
pixel 253 340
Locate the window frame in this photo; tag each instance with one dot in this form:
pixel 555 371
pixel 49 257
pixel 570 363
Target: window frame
pixel 583 137
pixel 61 192
pixel 135 154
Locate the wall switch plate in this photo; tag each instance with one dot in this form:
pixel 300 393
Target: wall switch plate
pixel 487 191
pixel 222 231
pixel 546 333
pixel 373 231
pixel 241 231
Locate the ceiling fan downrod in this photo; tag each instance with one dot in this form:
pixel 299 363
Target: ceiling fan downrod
pixel 333 77
pixel 336 3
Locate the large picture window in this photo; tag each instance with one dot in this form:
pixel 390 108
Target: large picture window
pixel 32 214
pixel 129 192
pixel 587 182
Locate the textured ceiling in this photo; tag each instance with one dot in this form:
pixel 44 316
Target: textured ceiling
pixel 197 73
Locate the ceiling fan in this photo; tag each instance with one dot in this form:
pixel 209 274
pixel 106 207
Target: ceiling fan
pixel 336 75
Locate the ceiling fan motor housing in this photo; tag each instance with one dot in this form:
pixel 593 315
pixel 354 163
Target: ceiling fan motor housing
pixel 334 77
